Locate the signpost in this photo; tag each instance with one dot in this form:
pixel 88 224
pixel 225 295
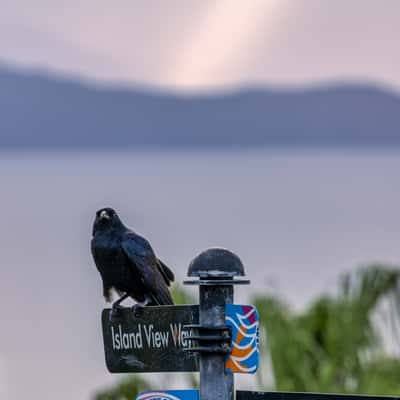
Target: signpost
pixel 215 337
pixel 216 270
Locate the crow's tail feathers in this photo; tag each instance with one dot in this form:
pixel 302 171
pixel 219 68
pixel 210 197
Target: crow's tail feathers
pixel 167 274
pixel 162 297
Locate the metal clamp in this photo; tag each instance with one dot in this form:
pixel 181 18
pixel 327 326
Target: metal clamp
pixel 217 282
pixel 211 339
pixel 224 348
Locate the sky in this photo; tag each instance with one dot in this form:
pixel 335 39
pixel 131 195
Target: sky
pixel 203 44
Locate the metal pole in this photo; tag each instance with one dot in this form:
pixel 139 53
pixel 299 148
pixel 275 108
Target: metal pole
pixel 216 269
pixel 214 382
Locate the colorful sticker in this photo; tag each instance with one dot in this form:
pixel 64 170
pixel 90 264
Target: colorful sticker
pixel 169 395
pixel 243 321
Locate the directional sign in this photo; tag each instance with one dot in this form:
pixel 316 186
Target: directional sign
pixel 243 321
pixel 246 395
pixel 169 395
pixel 153 340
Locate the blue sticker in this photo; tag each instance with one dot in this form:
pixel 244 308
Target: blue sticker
pixel 243 321
pixel 169 395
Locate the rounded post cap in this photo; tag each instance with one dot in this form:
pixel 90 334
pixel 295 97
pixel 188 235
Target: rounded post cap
pixel 216 263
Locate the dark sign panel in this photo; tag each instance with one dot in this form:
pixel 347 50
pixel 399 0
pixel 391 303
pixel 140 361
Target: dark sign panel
pixel 246 395
pixel 152 340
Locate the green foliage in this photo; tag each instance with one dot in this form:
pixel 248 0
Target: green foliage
pixel 181 296
pixel 333 346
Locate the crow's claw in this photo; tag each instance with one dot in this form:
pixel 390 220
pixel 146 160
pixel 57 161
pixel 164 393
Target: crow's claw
pixel 115 312
pixel 137 310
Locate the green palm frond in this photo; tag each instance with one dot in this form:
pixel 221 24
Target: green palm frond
pixel 333 345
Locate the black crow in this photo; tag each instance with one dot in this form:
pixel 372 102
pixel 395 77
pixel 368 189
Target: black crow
pixel 127 263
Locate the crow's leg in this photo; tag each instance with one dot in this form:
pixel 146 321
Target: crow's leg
pixel 138 307
pixel 116 307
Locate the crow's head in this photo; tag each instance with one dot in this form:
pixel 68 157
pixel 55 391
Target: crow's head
pixel 106 218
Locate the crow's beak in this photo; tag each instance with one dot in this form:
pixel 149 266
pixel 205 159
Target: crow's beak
pixel 104 215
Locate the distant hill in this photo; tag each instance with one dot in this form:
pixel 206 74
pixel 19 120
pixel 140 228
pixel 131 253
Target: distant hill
pixel 41 112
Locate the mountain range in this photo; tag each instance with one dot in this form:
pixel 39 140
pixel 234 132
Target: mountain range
pixel 40 112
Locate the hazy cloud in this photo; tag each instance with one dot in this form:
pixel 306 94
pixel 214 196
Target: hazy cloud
pixel 206 42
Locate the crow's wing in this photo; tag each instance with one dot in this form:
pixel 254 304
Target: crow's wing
pixel 106 285
pixel 140 253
